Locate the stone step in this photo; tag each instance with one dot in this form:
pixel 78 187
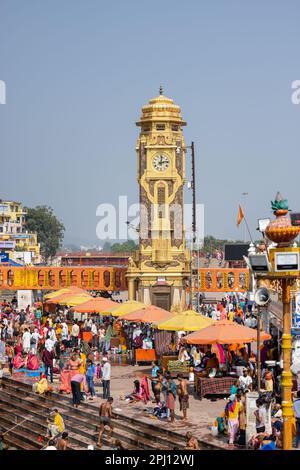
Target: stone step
pixel 80 433
pixel 38 427
pixel 168 437
pixel 144 435
pixel 19 433
pixel 15 442
pixel 41 410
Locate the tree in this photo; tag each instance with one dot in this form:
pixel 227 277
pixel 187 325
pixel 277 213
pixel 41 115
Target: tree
pixel 211 244
pixel 125 247
pixel 49 229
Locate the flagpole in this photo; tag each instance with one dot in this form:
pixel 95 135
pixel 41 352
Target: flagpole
pixel 240 218
pixel 245 196
pixel 247 226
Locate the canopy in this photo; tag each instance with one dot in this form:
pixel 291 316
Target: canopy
pixel 189 320
pixel 225 332
pixel 70 299
pixel 149 314
pixel 65 290
pixel 95 305
pixel 126 307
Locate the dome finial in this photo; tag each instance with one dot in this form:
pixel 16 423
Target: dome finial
pixel 160 90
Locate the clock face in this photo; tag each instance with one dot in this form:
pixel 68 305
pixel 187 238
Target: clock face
pixel 161 162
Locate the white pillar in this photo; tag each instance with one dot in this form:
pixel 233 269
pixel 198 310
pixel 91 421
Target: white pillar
pixel 147 299
pixel 25 298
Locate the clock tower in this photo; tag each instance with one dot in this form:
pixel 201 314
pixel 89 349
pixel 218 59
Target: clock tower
pixel 159 270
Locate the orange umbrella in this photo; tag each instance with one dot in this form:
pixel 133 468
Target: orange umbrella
pixel 225 332
pixel 95 305
pixel 150 314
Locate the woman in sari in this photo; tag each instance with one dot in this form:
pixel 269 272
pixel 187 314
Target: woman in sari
pixel 18 361
pixel 82 367
pixel 145 389
pixel 18 347
pixel 65 381
pixel 41 386
pixel 33 363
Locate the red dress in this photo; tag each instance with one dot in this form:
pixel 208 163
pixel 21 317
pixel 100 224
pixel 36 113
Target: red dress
pixel 170 403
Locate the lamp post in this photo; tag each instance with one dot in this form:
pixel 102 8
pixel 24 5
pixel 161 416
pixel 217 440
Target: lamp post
pixel 281 262
pixel 286 379
pixel 258 348
pixel 262 298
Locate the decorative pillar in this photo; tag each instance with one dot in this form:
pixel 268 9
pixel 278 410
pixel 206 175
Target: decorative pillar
pixel 131 289
pixel 286 379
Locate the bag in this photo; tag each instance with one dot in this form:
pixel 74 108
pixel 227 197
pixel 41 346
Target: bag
pixel 32 341
pixel 138 342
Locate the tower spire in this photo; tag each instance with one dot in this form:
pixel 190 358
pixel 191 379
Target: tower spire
pixel 160 90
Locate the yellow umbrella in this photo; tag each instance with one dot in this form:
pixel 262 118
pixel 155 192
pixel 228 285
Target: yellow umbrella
pixel 189 320
pixel 126 307
pixel 71 299
pixel 65 290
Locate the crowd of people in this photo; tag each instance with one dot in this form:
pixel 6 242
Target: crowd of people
pixel 56 345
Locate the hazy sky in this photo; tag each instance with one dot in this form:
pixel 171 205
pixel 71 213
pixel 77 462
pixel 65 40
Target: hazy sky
pixel 78 72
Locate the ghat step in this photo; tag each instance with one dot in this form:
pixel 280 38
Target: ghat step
pixel 83 421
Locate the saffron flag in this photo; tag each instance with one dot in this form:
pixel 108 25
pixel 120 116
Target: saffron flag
pixel 240 216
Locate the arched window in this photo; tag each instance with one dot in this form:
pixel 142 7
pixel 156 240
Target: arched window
pixel 118 279
pixel 106 278
pixel 208 280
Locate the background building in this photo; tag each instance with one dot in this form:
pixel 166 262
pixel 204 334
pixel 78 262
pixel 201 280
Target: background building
pixel 15 242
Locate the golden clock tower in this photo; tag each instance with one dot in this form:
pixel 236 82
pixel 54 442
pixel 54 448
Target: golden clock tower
pixel 159 270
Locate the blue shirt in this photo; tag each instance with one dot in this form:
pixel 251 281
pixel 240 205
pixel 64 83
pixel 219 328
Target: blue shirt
pixel 91 371
pixel 270 446
pixel 154 371
pixel 296 407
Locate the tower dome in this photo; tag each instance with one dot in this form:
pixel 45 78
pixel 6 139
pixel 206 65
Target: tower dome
pixel 161 108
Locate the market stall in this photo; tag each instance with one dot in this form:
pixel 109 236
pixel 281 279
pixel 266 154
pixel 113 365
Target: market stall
pixel 188 320
pixel 223 332
pixel 149 314
pixel 213 386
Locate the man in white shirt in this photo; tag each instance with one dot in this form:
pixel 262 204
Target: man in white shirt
pixel 245 381
pixel 136 332
pixel 52 335
pixel 214 315
pixel 248 321
pixel 94 334
pixel 74 334
pixel 51 445
pixel 35 337
pixel 106 377
pixel 26 341
pixel 64 331
pixel 101 338
pixel 253 321
pixel 49 345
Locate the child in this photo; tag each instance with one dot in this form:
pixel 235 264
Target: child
pixel 98 371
